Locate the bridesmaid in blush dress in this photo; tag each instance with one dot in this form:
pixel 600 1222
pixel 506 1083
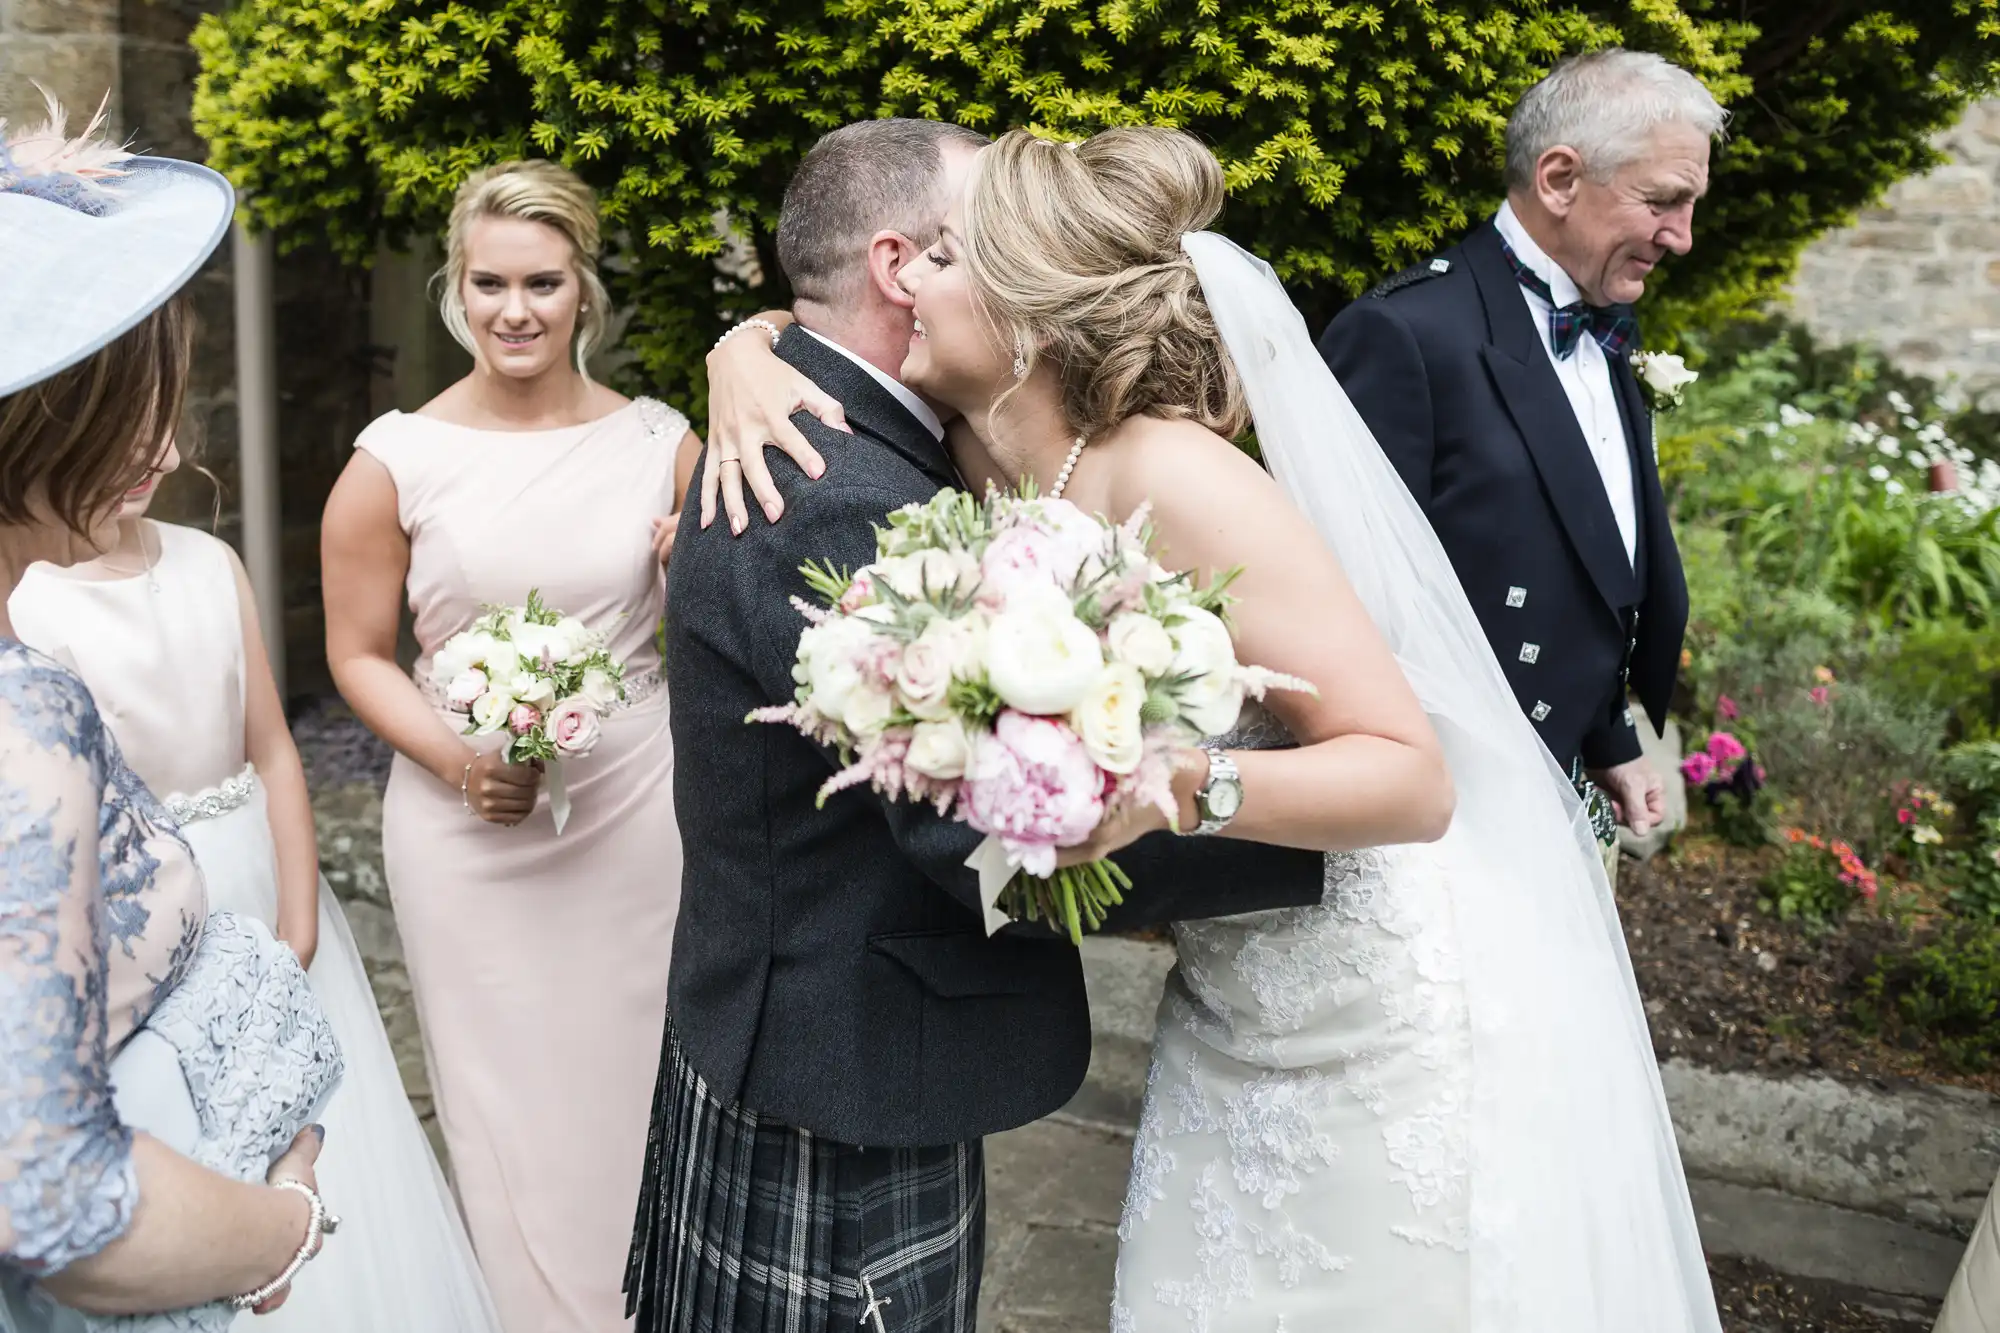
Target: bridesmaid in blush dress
pixel 538 961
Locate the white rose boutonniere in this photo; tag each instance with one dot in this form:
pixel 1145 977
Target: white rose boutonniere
pixel 1664 377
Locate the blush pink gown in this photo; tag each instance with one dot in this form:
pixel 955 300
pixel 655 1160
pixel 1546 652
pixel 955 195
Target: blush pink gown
pixel 538 961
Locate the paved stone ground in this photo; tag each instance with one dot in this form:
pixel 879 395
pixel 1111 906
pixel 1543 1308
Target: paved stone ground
pixel 1053 1190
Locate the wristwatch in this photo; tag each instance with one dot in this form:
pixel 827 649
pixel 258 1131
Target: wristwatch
pixel 1221 797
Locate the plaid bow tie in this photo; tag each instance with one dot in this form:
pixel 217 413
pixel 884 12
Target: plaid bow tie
pixel 1612 326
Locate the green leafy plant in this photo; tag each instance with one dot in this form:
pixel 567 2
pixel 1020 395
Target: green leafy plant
pixel 1948 991
pixel 1357 138
pixel 1817 881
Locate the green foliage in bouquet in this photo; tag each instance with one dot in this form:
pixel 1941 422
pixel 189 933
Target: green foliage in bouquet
pixel 1358 137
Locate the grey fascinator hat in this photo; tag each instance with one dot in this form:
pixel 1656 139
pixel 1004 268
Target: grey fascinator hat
pixel 92 240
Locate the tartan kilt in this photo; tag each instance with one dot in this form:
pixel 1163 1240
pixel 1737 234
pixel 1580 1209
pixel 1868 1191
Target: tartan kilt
pixel 749 1226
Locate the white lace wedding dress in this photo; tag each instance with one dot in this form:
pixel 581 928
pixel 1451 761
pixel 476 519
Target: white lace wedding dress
pixel 1428 1104
pixel 1302 1159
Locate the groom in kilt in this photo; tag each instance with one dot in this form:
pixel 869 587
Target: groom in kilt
pixel 841 1031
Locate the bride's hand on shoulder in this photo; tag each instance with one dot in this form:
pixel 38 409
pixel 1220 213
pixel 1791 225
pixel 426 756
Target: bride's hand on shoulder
pixel 751 398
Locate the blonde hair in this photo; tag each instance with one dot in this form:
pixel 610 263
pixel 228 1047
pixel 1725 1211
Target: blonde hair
pixel 536 191
pixel 1074 255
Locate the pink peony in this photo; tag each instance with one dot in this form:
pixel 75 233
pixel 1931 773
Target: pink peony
pixel 1724 748
pixel 1725 708
pixel 1697 768
pixel 1021 556
pixel 523 719
pixel 1031 784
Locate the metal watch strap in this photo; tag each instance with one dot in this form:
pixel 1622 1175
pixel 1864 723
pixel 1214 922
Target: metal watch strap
pixel 1221 768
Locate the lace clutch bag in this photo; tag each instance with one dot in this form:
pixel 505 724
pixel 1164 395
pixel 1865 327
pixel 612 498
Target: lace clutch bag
pixel 257 1061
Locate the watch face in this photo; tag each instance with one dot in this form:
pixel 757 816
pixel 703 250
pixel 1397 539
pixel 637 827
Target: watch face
pixel 1225 798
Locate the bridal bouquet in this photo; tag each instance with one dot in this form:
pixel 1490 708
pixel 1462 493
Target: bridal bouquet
pixel 1025 668
pixel 538 675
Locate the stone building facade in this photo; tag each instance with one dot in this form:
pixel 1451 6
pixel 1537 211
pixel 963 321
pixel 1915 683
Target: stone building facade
pixel 133 55
pixel 1919 275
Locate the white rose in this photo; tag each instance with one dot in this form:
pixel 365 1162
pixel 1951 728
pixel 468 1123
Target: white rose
pixel 527 637
pixel 1212 700
pixel 1039 657
pixel 923 676
pixel 599 688
pixel 461 653
pixel 489 714
pixel 938 750
pixel 537 692
pixel 1665 373
pixel 465 688
pixel 831 654
pixel 922 575
pixel 501 658
pixel 1107 720
pixel 868 708
pixel 573 641
pixel 1141 641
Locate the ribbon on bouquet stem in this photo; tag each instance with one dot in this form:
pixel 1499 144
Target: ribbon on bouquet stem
pixel 558 794
pixel 996 870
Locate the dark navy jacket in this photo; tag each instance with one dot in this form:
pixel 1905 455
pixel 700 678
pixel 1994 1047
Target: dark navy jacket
pixel 1446 365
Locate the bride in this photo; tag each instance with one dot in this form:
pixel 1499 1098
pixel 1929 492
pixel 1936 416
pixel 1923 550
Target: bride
pixel 1429 1102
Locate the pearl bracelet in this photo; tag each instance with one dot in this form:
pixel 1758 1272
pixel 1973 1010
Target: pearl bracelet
pixel 763 324
pixel 317 1224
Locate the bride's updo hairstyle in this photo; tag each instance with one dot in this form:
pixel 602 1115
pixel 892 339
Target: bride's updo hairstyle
pixel 1074 256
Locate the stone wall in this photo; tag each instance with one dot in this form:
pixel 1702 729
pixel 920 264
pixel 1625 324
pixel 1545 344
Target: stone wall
pixel 136 51
pixel 1920 275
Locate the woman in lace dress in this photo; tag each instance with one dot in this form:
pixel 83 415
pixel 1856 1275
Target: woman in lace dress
pixel 1430 1101
pixel 102 931
pixel 163 629
pixel 538 961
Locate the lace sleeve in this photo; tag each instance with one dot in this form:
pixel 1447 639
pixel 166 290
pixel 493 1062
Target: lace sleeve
pixel 67 1183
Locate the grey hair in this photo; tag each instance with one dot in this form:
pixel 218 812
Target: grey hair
pixel 873 175
pixel 1605 105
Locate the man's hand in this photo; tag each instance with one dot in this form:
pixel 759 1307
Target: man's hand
pixel 1637 793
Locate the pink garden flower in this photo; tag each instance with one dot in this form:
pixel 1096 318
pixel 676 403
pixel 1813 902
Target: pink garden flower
pixel 1724 748
pixel 1725 708
pixel 523 719
pixel 1698 768
pixel 1820 694
pixel 1032 785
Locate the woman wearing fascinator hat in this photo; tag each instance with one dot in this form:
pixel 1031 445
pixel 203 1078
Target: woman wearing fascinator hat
pixel 160 1067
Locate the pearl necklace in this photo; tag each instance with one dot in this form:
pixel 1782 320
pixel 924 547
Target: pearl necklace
pixel 1069 466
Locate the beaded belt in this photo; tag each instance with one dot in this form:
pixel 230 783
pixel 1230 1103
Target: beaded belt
pixel 217 801
pixel 639 687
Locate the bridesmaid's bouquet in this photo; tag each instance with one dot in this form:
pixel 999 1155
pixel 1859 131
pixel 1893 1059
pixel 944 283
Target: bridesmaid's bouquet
pixel 1029 670
pixel 541 677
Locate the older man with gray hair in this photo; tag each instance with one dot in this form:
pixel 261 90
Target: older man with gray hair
pixel 1499 379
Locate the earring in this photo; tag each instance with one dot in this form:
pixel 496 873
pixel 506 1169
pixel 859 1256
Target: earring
pixel 1020 358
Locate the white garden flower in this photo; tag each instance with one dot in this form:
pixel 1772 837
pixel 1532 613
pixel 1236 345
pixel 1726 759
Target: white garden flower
pixel 1141 641
pixel 1879 472
pixel 1107 721
pixel 939 750
pixel 1039 657
pixel 1212 700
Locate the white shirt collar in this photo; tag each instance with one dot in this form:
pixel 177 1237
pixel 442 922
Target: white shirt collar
pixel 918 408
pixel 1561 286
